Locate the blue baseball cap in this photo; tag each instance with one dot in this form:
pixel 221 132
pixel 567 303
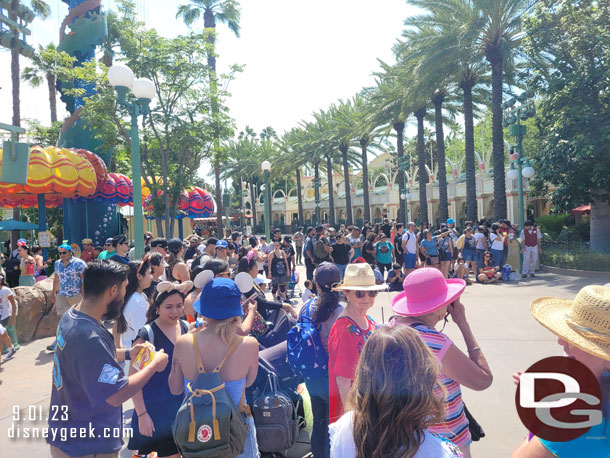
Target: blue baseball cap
pixel 222 244
pixel 220 299
pixel 450 221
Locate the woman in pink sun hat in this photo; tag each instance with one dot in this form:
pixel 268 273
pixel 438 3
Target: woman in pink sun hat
pixel 427 299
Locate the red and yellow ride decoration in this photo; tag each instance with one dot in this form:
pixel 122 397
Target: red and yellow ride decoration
pixel 56 172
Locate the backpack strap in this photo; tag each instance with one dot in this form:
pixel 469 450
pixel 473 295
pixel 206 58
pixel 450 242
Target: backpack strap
pixel 232 348
pixel 151 333
pixel 198 360
pixel 243 407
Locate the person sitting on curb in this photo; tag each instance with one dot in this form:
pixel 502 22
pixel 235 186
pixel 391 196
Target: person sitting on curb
pixel 488 272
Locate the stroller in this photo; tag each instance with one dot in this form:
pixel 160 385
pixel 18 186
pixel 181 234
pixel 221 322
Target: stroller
pixel 276 382
pixel 293 288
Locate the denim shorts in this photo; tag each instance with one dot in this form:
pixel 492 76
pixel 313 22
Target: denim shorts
pixel 410 260
pixel 445 255
pixel 470 255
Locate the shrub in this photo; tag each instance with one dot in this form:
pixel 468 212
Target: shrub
pixel 553 224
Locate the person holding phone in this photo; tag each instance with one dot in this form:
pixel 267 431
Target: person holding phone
pixel 428 298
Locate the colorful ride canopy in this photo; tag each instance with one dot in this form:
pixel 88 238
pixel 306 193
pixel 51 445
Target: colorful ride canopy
pixel 56 172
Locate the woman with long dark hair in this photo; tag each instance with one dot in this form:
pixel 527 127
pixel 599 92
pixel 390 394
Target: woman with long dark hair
pixel 324 311
pixel 28 265
pixel 392 402
pixel 177 270
pixel 154 406
pixel 135 304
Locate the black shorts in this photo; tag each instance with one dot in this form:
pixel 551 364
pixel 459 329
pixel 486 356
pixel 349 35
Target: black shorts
pixel 444 255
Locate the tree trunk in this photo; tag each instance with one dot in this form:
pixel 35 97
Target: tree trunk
pixel 440 157
pixel 316 177
pixel 52 96
pixel 399 127
pixel 241 202
pixel 331 191
pixel 364 143
pixel 347 185
pixel 495 59
pixel 159 224
pixel 600 221
pixel 299 196
pixel 471 183
pixel 218 197
pixel 16 83
pixel 421 162
pixel 253 202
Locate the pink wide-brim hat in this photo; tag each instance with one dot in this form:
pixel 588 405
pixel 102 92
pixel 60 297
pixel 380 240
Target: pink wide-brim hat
pixel 426 290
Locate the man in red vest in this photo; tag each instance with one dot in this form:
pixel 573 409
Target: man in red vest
pixel 530 239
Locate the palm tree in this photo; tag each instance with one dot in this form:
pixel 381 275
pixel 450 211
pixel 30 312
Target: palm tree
pixel 293 159
pixel 227 12
pixel 499 36
pixel 420 114
pixel 42 10
pixel 45 66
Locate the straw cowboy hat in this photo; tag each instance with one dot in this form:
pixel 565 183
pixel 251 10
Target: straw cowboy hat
pixel 583 322
pixel 426 290
pixel 359 277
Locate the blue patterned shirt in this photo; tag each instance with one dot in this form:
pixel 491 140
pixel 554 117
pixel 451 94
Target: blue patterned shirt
pixel 70 280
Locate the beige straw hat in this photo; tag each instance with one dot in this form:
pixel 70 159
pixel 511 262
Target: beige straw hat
pixel 359 277
pixel 583 322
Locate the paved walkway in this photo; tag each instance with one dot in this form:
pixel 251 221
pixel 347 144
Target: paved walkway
pixel 499 317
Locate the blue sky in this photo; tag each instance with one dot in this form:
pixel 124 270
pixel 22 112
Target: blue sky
pixel 299 56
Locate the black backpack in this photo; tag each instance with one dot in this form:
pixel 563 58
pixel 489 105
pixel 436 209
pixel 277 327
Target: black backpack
pixel 208 423
pixel 282 323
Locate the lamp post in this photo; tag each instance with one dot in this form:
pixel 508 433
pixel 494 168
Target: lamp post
pixel 122 79
pixel 317 182
pixel 266 166
pixel 513 115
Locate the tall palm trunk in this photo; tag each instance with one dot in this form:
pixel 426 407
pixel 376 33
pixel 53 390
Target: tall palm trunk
pixel 438 100
pixel 331 191
pixel 471 183
pixel 209 24
pixel 421 162
pixel 52 96
pixel 253 201
pixel 494 57
pixel 16 83
pixel 399 127
pixel 364 143
pixel 347 185
pixel 299 196
pixel 316 177
pixel 241 202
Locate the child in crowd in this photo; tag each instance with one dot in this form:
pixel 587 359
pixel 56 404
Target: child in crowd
pixel 307 294
pixel 461 269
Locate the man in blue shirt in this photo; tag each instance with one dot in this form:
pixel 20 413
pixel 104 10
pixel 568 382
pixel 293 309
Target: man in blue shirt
pixel 89 385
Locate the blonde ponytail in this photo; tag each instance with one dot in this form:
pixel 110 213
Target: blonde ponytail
pixel 226 329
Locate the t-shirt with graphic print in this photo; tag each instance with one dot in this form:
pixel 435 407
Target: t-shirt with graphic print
pixel 85 374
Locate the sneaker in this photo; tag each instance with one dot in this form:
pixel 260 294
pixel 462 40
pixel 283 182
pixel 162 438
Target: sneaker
pixel 9 354
pixel 532 275
pixel 52 346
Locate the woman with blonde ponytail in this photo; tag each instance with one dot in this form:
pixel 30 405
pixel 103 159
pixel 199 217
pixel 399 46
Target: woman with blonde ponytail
pixel 220 347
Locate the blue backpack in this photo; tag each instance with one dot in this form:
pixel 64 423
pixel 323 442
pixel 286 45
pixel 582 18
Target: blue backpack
pixel 306 354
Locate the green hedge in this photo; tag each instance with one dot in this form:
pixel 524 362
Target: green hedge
pixel 574 255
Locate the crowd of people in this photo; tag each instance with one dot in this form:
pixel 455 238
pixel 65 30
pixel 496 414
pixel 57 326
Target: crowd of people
pixel 393 251
pixel 182 303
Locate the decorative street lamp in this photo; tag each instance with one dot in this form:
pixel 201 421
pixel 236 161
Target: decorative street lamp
pixel 122 79
pixel 513 116
pixel 266 166
pixel 317 182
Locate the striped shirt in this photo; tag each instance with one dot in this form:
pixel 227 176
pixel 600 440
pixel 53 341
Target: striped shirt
pixel 455 424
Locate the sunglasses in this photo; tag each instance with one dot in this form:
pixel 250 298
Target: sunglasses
pixel 61 253
pixel 361 294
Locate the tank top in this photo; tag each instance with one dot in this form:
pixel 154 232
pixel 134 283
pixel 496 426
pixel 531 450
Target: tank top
pixel 278 265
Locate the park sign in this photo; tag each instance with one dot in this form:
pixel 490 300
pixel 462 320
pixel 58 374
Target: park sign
pixel 10 29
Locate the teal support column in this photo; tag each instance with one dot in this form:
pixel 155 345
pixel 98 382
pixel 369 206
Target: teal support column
pixel 138 214
pixel 42 221
pixel 180 229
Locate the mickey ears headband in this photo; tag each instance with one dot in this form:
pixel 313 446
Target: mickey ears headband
pixel 167 286
pixel 203 278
